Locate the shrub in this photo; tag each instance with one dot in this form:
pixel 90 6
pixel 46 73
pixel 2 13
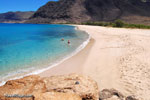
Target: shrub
pixel 118 23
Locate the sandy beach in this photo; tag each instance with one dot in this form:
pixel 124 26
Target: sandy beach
pixel 115 58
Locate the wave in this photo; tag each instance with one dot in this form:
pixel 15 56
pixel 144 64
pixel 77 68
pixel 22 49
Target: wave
pixel 79 48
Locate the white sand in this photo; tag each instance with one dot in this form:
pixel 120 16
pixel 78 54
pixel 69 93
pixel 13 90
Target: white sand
pixel 115 58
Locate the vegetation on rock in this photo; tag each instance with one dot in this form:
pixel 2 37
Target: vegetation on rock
pixel 117 23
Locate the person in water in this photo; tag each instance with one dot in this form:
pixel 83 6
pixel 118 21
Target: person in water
pixel 68 41
pixel 62 39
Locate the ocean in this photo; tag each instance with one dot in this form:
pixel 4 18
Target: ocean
pixel 32 48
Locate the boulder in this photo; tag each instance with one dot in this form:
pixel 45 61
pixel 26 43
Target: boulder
pixel 65 86
pixel 131 98
pixel 111 94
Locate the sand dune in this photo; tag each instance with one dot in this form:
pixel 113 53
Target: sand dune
pixel 115 57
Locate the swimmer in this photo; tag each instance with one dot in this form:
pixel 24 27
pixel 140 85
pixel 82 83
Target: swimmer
pixel 62 39
pixel 68 41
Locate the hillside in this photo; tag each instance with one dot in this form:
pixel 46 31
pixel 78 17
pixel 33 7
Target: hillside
pixel 77 11
pixel 15 17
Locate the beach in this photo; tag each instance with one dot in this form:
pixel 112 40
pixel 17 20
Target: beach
pixel 115 58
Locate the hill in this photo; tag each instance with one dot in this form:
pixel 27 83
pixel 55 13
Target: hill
pixel 15 17
pixel 77 11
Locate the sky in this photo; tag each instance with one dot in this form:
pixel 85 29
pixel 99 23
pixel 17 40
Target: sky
pixel 21 5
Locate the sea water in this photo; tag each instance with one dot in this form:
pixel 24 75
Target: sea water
pixel 27 48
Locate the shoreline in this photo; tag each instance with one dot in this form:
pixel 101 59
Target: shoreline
pixel 115 58
pixel 90 41
pixel 60 68
pixel 41 70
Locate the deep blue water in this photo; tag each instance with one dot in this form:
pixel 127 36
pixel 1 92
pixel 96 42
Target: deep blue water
pixel 26 47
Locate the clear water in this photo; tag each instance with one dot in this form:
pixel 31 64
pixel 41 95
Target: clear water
pixel 28 47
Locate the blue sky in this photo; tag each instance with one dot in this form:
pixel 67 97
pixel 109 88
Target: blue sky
pixel 21 5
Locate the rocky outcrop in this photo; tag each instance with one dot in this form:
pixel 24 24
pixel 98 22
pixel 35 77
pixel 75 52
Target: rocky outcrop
pixel 15 17
pixel 113 94
pixel 67 87
pixel 77 11
pixel 110 93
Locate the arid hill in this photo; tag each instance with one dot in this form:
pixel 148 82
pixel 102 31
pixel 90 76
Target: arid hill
pixel 15 17
pixel 77 11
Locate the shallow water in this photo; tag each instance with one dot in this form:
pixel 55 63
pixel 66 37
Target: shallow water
pixel 27 47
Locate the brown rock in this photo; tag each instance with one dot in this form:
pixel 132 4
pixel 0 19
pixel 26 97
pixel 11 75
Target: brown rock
pixel 104 94
pixel 86 88
pixel 131 98
pixel 117 93
pixel 48 96
pixel 56 96
pixel 26 85
pixel 65 86
pixel 114 98
pixel 108 94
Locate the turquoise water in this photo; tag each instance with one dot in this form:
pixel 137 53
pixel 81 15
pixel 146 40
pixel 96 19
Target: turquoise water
pixel 27 47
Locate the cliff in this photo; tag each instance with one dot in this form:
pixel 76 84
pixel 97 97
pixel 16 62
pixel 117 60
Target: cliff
pixel 77 11
pixel 15 17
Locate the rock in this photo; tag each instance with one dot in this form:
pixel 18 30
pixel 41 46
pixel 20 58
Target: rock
pixel 57 96
pixel 114 98
pixel 87 88
pixel 108 94
pixel 117 93
pixel 26 85
pixel 48 96
pixel 131 98
pixel 77 83
pixel 104 94
pixel 52 88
